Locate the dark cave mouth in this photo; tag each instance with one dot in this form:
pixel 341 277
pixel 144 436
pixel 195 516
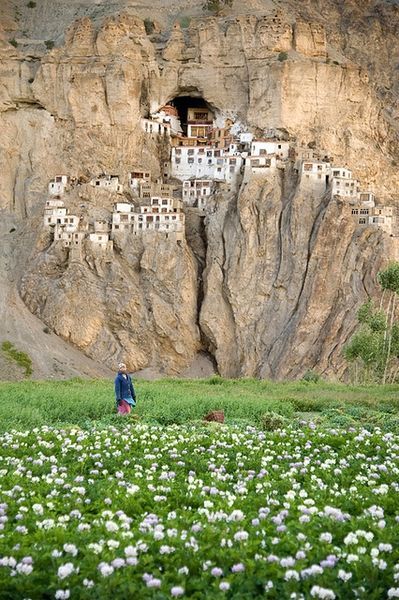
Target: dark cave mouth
pixel 185 103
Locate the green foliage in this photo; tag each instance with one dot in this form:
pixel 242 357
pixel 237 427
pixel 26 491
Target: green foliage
pixel 99 512
pixel 149 26
pixel 374 348
pixel 88 403
pixel 365 311
pixel 312 376
pixel 282 56
pixel 271 421
pixel 216 6
pixel 31 4
pixel 366 345
pixel 389 278
pixel 21 358
pixel 14 42
pixel 185 22
pixel 49 44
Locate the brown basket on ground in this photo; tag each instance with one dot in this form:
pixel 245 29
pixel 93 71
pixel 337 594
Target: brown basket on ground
pixel 216 416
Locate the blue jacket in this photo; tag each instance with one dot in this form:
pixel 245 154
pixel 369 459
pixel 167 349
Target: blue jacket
pixel 124 389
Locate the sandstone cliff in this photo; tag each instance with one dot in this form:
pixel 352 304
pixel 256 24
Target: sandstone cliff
pixel 270 285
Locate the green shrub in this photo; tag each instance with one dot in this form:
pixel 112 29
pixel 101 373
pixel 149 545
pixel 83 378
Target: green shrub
pixel 311 376
pixel 31 4
pixel 49 44
pixel 337 418
pixel 149 26
pixel 282 56
pixel 185 22
pixel 21 358
pixel 216 6
pixel 14 42
pixel 215 380
pixel 270 421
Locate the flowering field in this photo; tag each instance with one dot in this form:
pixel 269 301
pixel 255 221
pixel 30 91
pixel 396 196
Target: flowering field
pixel 144 511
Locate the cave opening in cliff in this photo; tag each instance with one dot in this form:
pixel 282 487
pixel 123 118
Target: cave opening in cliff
pixel 195 114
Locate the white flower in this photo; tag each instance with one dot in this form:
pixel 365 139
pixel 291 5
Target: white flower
pixel 130 551
pixel 393 593
pixel 381 524
pixel 291 574
pixel 326 537
pixel 37 509
pixel 105 569
pixel 176 591
pixel 117 563
pixel 287 562
pixel 236 515
pixel 97 548
pixel 238 568
pixel 65 570
pixel 224 586
pixel 70 549
pixel 154 583
pixel 166 549
pixel 111 526
pixel 344 575
pixel 241 536
pixel 88 583
pixel 352 558
pixel 62 594
pixel 24 569
pixel 323 593
pixel 351 538
pixel 269 585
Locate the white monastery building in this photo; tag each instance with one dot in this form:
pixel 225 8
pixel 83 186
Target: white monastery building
pixel 108 182
pixel 197 191
pixel 57 186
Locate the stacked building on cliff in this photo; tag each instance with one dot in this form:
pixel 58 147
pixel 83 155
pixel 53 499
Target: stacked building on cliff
pixel 160 214
pixel 321 176
pixel 203 156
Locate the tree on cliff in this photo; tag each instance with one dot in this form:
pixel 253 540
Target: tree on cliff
pixel 374 349
pixel 216 6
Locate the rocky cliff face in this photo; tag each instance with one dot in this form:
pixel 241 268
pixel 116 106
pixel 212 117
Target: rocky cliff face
pixel 270 284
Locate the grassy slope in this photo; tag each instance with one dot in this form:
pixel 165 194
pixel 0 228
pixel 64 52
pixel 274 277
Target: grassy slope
pixel 80 402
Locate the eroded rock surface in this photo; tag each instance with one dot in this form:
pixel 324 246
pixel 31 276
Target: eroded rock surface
pixel 271 286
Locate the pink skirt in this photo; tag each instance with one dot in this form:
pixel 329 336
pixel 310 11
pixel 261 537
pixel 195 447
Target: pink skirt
pixel 123 407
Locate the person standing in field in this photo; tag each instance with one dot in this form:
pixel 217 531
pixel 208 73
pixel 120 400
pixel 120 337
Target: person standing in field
pixel 125 395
